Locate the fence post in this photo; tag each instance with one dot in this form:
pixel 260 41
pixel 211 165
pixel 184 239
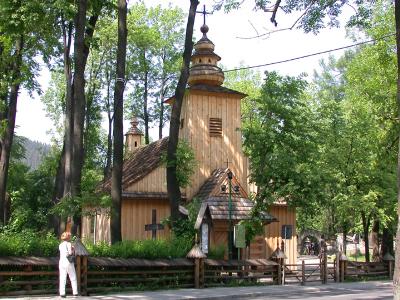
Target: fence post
pixel 390 261
pixel 279 256
pixel 197 255
pixel 324 262
pixel 342 266
pixel 28 287
pixel 336 266
pixel 303 272
pixel 81 254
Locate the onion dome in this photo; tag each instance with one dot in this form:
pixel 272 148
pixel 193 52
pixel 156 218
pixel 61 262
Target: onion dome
pixel 204 69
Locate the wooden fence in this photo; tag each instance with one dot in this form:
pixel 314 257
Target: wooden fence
pixel 222 272
pixel 38 275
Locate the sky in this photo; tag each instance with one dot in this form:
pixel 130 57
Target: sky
pixel 230 33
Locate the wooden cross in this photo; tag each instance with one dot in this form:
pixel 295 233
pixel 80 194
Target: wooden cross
pixel 153 226
pixel 227 162
pixel 204 13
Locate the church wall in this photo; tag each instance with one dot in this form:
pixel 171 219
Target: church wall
pixel 273 232
pixel 136 213
pixel 156 181
pixel 213 152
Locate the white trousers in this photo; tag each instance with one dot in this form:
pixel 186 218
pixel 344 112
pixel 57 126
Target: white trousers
pixel 70 270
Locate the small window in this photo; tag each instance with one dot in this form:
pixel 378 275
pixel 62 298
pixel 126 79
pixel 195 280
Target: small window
pixel 209 61
pixel 215 127
pixel 287 232
pixel 135 144
pixel 182 123
pixel 200 60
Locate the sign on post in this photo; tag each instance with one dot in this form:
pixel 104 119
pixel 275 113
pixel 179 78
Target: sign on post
pixel 239 236
pixel 204 238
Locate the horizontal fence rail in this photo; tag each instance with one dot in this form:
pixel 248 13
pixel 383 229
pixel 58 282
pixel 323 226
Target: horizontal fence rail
pixel 39 275
pixel 222 272
pixel 110 274
pixel 28 275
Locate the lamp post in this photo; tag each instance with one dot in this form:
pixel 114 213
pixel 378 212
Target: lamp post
pixel 230 176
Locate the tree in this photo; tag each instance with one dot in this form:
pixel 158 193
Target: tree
pixel 155 37
pixel 174 193
pixel 314 13
pixel 25 33
pixel 116 179
pixel 281 142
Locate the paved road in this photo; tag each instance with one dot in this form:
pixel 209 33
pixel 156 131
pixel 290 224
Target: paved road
pixel 333 291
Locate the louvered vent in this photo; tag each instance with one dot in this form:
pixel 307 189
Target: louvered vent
pixel 215 127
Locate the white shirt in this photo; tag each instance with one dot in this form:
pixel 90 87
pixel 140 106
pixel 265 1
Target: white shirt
pixel 65 248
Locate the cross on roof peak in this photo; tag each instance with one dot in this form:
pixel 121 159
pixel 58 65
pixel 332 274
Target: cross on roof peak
pixel 204 13
pixel 227 163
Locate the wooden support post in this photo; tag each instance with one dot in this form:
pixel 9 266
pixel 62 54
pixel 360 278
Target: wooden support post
pixel 78 272
pixel 84 276
pixel 324 262
pixel 201 274
pixel 390 262
pixel 336 267
pixel 28 287
pixel 303 272
pixel 197 273
pixel 283 271
pixel 279 279
pixel 342 270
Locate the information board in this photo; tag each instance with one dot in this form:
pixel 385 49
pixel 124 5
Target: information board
pixel 239 236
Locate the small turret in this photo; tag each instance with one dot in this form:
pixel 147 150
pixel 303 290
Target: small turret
pixel 133 136
pixel 204 69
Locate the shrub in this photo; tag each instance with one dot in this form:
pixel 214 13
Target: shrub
pixel 149 249
pixel 28 243
pixel 216 252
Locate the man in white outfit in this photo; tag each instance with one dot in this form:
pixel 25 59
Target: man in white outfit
pixel 66 267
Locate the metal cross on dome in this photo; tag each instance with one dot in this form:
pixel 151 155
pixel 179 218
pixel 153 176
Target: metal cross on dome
pixel 204 13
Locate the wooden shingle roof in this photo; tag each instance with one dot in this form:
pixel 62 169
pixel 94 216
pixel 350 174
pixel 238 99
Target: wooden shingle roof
pixel 217 199
pixel 140 163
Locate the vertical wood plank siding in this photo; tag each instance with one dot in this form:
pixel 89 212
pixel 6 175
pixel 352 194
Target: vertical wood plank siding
pixel 138 213
pixel 286 216
pixel 213 152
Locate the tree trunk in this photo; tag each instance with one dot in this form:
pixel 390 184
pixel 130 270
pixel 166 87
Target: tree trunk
pixel 345 232
pixel 375 241
pixel 396 276
pixel 387 242
pixel 8 135
pixel 107 169
pixel 58 192
pixel 174 193
pixel 145 101
pixel 69 111
pixel 161 117
pixel 79 104
pixel 366 221
pixel 116 179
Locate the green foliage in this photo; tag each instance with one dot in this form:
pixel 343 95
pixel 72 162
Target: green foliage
pixel 184 227
pixel 315 15
pixel 30 192
pixel 74 206
pixel 185 163
pixel 217 252
pixel 149 249
pixel 155 42
pixel 281 142
pixel 28 243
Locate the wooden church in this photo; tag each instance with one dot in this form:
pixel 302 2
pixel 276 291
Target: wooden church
pixel 211 124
